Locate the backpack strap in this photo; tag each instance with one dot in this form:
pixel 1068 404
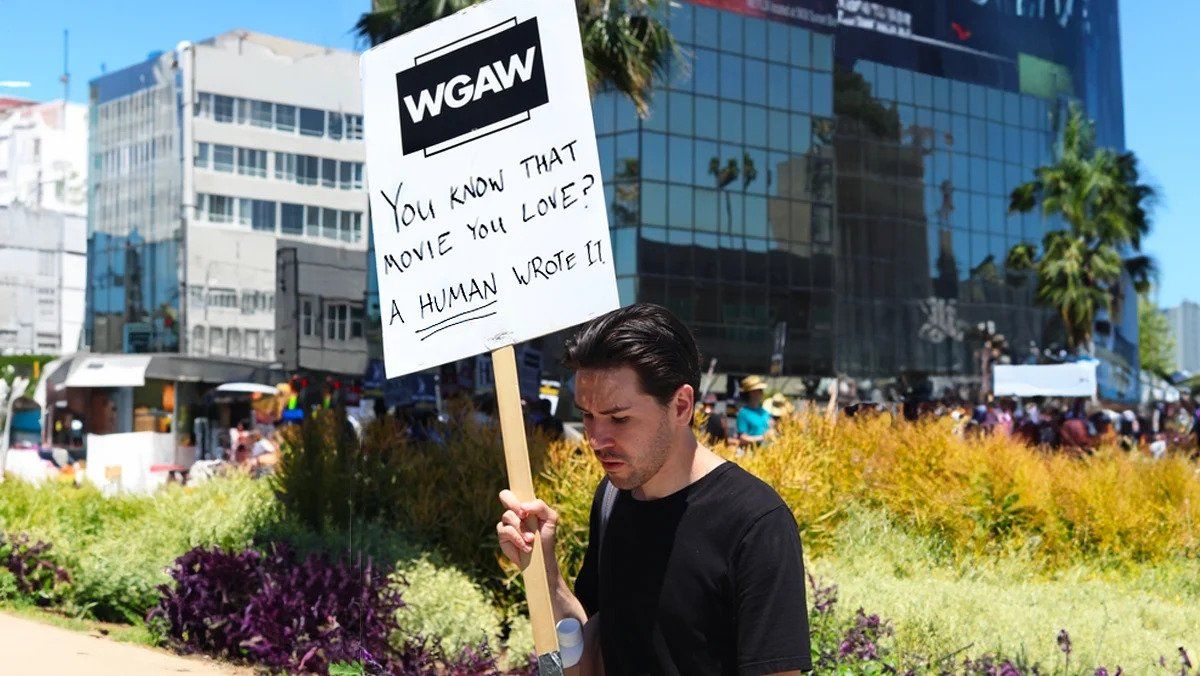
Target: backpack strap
pixel 607 500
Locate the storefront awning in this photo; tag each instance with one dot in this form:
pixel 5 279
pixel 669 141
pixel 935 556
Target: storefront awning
pixel 109 370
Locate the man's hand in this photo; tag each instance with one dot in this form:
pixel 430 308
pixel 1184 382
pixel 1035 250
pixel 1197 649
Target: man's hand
pixel 517 527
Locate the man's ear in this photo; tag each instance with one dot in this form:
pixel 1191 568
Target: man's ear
pixel 683 404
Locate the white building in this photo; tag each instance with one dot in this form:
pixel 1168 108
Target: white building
pixel 43 234
pixel 43 156
pixel 43 263
pixel 1185 324
pixel 210 158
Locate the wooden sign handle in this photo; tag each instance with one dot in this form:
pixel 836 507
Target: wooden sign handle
pixel 520 482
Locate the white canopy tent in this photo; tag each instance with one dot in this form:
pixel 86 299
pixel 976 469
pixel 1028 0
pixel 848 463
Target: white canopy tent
pixel 1076 379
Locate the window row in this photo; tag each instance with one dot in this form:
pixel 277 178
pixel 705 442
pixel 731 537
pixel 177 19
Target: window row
pixel 732 77
pixel 281 217
pixel 753 36
pixel 727 167
pixel 279 116
pixel 233 342
pixel 889 83
pixel 704 210
pixel 330 320
pixel 291 167
pixel 252 301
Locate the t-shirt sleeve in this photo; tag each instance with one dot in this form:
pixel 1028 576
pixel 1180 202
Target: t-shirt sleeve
pixel 772 614
pixel 587 583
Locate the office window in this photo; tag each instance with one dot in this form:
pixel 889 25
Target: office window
pixel 356 227
pixel 202 152
pixel 223 158
pixel 262 113
pixel 337 319
pixel 244 209
pixel 358 176
pixel 252 349
pixel 222 108
pixel 356 322
pixel 312 221
pixel 235 343
pixel 268 345
pixel 328 173
pixel 329 223
pixel 334 124
pixel 241 110
pixel 216 341
pixel 312 122
pixel 262 215
pixel 285 117
pixel 306 317
pixel 199 344
pixel 345 175
pixel 354 127
pixel 204 105
pixel 291 219
pixel 285 166
pixel 220 209
pixel 346 231
pixel 308 169
pixel 222 297
pixel 252 162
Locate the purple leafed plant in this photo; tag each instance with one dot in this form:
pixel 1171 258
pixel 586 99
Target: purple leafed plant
pixel 36 574
pixel 280 611
pixel 824 598
pixel 861 641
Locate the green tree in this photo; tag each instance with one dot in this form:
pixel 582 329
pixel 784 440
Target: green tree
pixel 1097 194
pixel 625 45
pixel 1156 341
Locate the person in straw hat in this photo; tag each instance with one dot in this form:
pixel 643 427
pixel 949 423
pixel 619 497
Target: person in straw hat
pixel 779 407
pixel 753 421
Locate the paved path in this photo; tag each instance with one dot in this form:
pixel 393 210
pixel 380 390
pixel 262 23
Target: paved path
pixel 29 647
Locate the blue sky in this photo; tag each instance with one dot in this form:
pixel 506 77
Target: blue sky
pixel 1160 50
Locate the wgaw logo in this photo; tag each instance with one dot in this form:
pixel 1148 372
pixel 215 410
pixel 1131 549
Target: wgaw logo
pixel 471 88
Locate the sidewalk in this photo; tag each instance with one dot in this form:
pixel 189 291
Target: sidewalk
pixel 28 647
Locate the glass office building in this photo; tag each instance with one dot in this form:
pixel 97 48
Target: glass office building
pixel 722 200
pixel 839 174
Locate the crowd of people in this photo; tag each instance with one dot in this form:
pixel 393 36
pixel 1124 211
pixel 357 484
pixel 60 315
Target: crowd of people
pixel 1076 426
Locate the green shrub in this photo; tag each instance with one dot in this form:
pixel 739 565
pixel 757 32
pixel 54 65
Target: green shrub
pixel 443 495
pixel 442 601
pixel 117 549
pixel 8 585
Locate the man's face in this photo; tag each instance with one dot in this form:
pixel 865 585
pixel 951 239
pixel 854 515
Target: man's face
pixel 629 431
pixel 756 398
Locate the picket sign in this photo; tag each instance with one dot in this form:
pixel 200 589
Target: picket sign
pixel 488 214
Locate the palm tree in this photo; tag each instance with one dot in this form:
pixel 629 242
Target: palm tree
pixel 1097 193
pixel 625 45
pixel 723 176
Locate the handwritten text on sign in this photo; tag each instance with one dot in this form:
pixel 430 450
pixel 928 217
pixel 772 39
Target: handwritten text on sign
pixel 487 201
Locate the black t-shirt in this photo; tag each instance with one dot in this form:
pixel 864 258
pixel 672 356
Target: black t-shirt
pixel 707 580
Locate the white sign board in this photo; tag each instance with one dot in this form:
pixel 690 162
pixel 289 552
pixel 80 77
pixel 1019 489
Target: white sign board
pixel 487 202
pixel 1077 379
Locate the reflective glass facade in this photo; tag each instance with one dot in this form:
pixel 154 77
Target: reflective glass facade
pixel 722 201
pixel 134 232
pixel 845 168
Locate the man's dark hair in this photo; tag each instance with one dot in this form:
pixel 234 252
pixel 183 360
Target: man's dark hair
pixel 645 337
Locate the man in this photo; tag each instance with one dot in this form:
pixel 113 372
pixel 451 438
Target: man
pixel 753 421
pixel 695 567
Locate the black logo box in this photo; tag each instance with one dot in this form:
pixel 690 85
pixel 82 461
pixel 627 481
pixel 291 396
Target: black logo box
pixel 493 107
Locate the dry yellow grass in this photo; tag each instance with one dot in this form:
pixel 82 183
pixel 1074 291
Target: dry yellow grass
pixel 989 495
